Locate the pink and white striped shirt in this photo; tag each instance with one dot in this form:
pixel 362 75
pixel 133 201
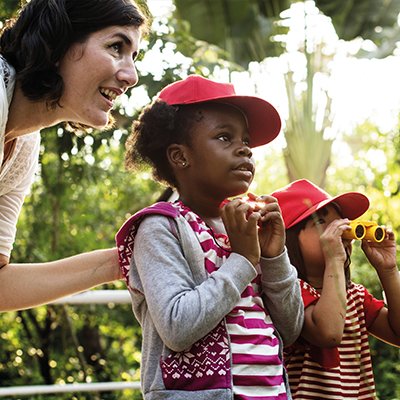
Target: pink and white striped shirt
pixel 257 369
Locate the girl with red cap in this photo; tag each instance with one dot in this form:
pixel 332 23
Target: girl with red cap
pixel 215 294
pixel 331 359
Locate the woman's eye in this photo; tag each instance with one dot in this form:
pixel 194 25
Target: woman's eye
pixel 320 221
pixel 246 142
pixel 116 47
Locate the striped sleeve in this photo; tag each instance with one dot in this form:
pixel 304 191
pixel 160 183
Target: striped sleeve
pixel 372 306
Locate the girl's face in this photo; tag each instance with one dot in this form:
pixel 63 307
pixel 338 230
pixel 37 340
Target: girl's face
pixel 309 240
pixel 219 156
pixel 96 72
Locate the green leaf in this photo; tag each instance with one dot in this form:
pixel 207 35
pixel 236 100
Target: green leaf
pixel 241 27
pixel 374 20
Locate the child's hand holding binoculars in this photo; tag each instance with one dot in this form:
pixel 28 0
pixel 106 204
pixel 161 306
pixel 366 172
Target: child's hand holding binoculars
pixel 382 254
pixel 378 243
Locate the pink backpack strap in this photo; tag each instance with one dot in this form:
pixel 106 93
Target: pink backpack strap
pixel 125 237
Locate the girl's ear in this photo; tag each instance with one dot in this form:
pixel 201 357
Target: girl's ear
pixel 176 154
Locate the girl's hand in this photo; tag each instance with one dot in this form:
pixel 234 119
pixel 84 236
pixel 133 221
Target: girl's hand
pixel 382 256
pixel 331 241
pixel 271 227
pixel 242 230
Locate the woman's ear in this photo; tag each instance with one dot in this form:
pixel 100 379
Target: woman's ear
pixel 177 157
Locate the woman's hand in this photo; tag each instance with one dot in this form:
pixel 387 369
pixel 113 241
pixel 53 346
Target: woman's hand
pixel 4 260
pixel 271 226
pixel 241 226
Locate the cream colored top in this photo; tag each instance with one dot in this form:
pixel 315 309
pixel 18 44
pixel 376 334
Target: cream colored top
pixel 17 173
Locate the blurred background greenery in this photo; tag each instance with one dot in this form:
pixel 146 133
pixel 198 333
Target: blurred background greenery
pixel 83 194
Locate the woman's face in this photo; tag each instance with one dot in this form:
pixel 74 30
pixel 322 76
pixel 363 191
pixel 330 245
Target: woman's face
pixel 96 72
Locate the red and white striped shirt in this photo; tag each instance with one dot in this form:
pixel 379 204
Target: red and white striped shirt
pixel 342 373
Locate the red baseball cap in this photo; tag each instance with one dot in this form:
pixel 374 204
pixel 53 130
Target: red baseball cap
pixel 263 120
pixel 301 198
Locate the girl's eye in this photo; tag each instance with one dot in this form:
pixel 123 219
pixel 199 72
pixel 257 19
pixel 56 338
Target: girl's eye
pixel 320 221
pixel 246 141
pixel 223 138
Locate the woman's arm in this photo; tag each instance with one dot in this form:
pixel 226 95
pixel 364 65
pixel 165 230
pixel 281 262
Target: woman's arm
pixel 4 260
pixel 29 285
pixel 15 186
pixel 10 208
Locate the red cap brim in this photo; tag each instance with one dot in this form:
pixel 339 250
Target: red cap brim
pixel 263 120
pixel 264 123
pixel 352 205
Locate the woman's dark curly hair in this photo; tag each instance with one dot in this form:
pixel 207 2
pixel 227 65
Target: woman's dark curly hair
pixel 44 30
pixel 158 126
pixel 294 251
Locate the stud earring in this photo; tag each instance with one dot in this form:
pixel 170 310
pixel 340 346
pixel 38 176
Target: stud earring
pixel 184 164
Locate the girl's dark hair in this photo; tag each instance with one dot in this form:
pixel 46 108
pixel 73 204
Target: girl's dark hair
pixel 44 30
pixel 158 126
pixel 294 251
pixel 293 248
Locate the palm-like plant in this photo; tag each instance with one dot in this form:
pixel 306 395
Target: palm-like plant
pixel 244 29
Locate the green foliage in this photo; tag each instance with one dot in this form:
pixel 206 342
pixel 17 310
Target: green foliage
pixel 308 152
pixel 65 344
pixel 243 28
pixel 374 170
pixel 270 171
pixel 375 20
pixel 8 8
pixel 80 200
pixel 83 194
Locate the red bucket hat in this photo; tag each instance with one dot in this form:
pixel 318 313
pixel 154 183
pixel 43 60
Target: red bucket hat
pixel 301 198
pixel 263 120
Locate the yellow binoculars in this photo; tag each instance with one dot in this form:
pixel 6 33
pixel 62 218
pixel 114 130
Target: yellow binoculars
pixel 365 230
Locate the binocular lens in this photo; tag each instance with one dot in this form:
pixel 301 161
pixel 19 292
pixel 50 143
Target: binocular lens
pixel 367 230
pixel 360 231
pixel 379 234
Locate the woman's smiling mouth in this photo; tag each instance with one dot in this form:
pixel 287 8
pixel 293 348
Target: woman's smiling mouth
pixel 110 95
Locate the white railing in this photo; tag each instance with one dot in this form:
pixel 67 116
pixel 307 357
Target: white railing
pixel 89 297
pixel 97 297
pixel 68 388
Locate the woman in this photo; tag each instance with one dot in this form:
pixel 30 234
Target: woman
pixel 60 61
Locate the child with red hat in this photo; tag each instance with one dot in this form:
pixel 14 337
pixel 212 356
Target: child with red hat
pixel 215 293
pixel 331 359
